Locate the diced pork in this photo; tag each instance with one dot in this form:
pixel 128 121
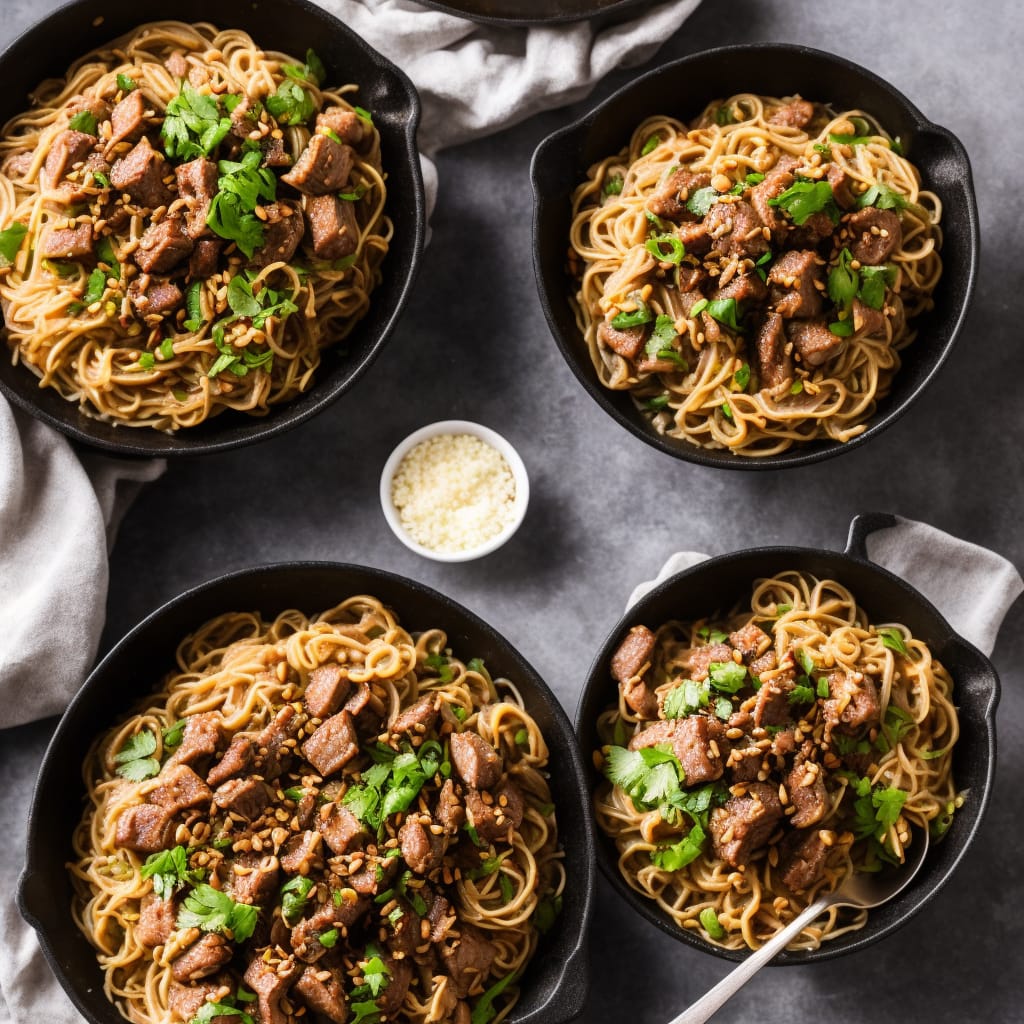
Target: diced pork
pixel 185 1001
pixel 332 745
pixel 493 819
pixel 344 123
pixel 128 119
pixel 67 243
pixel 323 166
pixel 449 811
pixel 282 232
pixel 324 996
pixel 155 297
pixel 332 225
pixel 140 173
pixel 802 862
pixel 696 740
pixel 468 959
pixel 742 288
pixel 475 761
pixel 204 259
pixel 775 183
pixel 180 788
pixel 69 148
pixel 814 341
pixel 694 237
pixel 417 719
pixel 197 185
pixel 205 957
pixel 806 787
pixel 627 342
pixel 745 823
pixel 797 284
pixel 852 703
pixel 421 849
pixel 238 758
pixel 736 230
pixel 700 659
pixel 100 109
pixel 177 65
pixel 272 754
pixel 874 234
pixel 271 982
pixel 163 246
pixel 339 827
pixel 867 321
pixel 841 187
pixel 400 975
pixel 744 764
pixel 633 655
pixel 145 828
pixel 326 690
pixel 773 707
pixel 774 364
pixel 157 920
pixel 247 797
pixel 669 202
pixel 750 641
pixel 254 878
pixel 797 114
pixel 302 853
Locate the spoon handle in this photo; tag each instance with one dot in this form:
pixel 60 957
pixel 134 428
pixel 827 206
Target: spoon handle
pixel 714 998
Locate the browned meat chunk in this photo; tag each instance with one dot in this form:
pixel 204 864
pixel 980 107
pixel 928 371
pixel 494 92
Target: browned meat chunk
pixel 179 788
pixel 163 246
pixel 140 173
pixel 421 849
pixel 158 298
pixel 689 279
pixel 736 230
pixel 802 860
pixel 271 752
pixel 274 153
pixel 199 739
pixel 324 996
pixel 750 641
pixel 204 259
pixel 301 853
pixel 332 226
pixel 441 917
pixel 128 119
pixel 67 243
pixel 841 188
pixel 17 165
pixel 344 123
pixel 697 741
pixel 766 663
pixel 332 745
pixel 468 959
pixel 772 187
pixel 694 237
pixel 399 979
pixel 475 761
pixel 670 200
pixel 247 797
pixel 177 65
pixel 322 167
pixel 197 185
pixel 493 819
pixel 774 365
pixel 417 719
pixel 743 288
pixel 633 655
pixel 185 1001
pixel 744 764
pixel 813 231
pixel 326 690
pixel 701 658
pixel 641 698
pixel 745 823
pixel 83 183
pixel 364 703
pixel 306 811
pixel 339 827
pixel 99 109
pixel 797 114
pixel 867 321
pixel 201 960
pixel 627 342
pixel 814 341
pixel 773 707
pixel 805 784
pixel 797 284
pixel 254 878
pixel 238 758
pixel 282 232
pixel 157 919
pixel 69 148
pixel 852 704
pixel 449 811
pixel 873 234
pixel 145 828
pixel 270 983
pixel 306 934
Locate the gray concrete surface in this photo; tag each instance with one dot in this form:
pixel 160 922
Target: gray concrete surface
pixel 607 510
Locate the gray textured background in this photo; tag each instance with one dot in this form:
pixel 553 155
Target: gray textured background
pixel 606 510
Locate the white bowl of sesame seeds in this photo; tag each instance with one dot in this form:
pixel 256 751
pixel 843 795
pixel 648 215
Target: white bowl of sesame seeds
pixel 454 491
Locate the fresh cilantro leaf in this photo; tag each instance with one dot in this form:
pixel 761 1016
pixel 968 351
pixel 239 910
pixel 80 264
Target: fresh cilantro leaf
pixel 484 1011
pixel 636 772
pixel 723 708
pixel 841 328
pixel 312 71
pixel 712 636
pixel 701 201
pixel 365 1011
pixel 896 724
pixel 125 83
pixel 725 311
pixel 678 855
pixel 209 1012
pixel 291 104
pixel 682 700
pixel 11 239
pixel 170 871
pixel 727 676
pixel 650 144
pixel 193 125
pixel 657 244
pixel 873 282
pixel 741 378
pixel 613 185
pixel 883 197
pixel 439 663
pixel 805 198
pixel 893 639
pixel 173 733
pixel 240 297
pixel 843 139
pixel 294 895
pixel 211 910
pixel 709 919
pixel 801 695
pixel 663 335
pixel 83 121
pixel 329 938
pixel 134 760
pixel 640 315
pixel 843 281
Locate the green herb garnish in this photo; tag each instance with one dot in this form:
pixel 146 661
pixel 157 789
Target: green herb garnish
pixel 805 198
pixel 134 760
pixel 170 871
pixel 210 910
pixel 193 125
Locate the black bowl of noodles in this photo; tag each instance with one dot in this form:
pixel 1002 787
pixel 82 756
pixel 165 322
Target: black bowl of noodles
pixel 706 593
pixel 349 328
pixel 553 985
pixel 649 375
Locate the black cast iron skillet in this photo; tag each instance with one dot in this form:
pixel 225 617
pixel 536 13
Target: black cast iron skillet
pixel 717 585
pixel 555 982
pixel 682 89
pixel 48 48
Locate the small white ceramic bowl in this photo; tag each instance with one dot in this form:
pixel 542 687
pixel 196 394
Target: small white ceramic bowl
pixel 496 441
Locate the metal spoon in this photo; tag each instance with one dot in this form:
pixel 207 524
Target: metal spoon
pixel 863 891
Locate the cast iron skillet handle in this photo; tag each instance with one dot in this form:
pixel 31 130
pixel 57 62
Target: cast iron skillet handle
pixel 862 527
pixel 31 895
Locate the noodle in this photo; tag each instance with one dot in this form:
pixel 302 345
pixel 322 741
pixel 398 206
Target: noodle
pixel 168 371
pixel 706 387
pixel 244 671
pixel 906 748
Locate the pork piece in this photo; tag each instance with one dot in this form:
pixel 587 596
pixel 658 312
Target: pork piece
pixel 204 259
pixel 766 663
pixel 140 173
pixel 306 811
pixel 326 690
pixel 282 232
pixel 639 696
pixel 774 365
pixel 744 763
pixel 159 296
pixel 735 230
pixel 302 853
pixel 441 917
pixel 813 231
pixel 247 797
pixel 274 153
pixel 421 849
pixel 271 982
pixel 627 342
pixel 199 739
pixel 493 820
pixel 468 958
pixel 323 166
pixel 867 321
pixel 332 227
pixel 17 165
pixel 743 288
pixel 794 278
pixel 696 740
pixel 157 919
pixel 670 200
pixel 814 341
pixel 70 147
pixel 449 812
pixel 197 185
pixel 700 659
pixel 741 827
pixel 344 123
pixel 375 877
pixel 417 719
pixel 797 114
pixel 185 1001
pixel 629 662
pixel 873 234
pixel 202 959
pixel 145 828
pixel 82 183
pixel 254 878
pixel 323 996
pixel 332 745
pixel 802 860
pixel 100 109
pixel 177 65
pixel 475 761
pixel 339 827
pixel 773 707
pixel 364 703
pixel 180 788
pixel 695 237
pixel 128 119
pixel 238 758
pixel 405 934
pixel 841 187
pixel 163 246
pixel 852 704
pixel 306 933
pixel 807 793
pixel 775 183
pixel 750 641
pixel 271 751
pixel 67 243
